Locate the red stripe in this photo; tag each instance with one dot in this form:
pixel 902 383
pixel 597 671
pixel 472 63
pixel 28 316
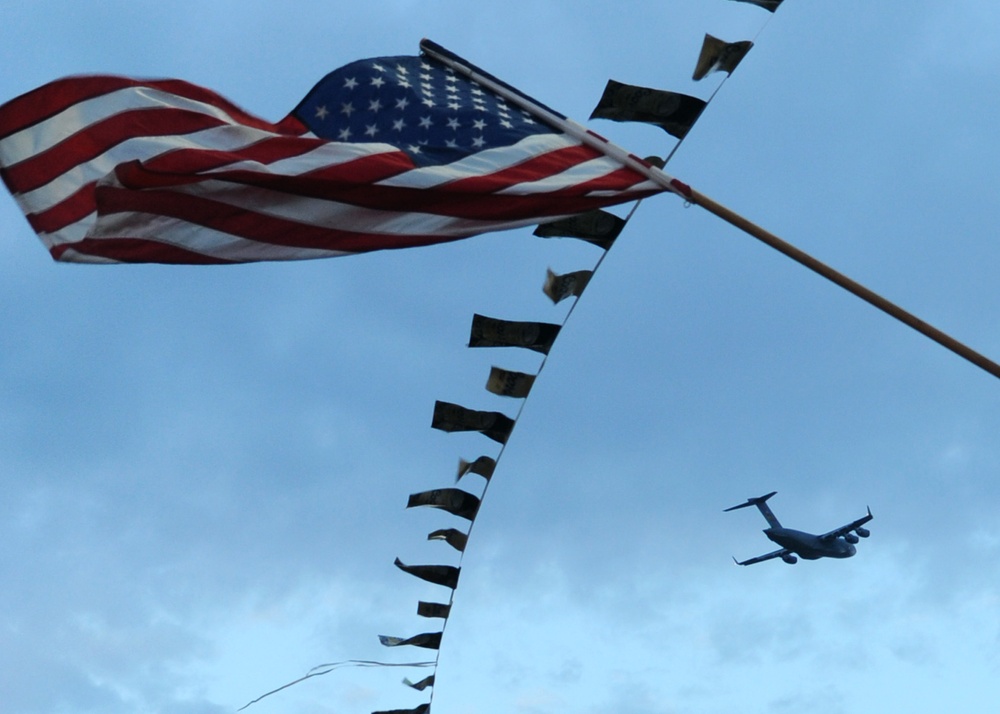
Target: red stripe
pixel 85 145
pixel 69 210
pixel 135 250
pixel 237 221
pixel 148 174
pixel 438 201
pixel 265 151
pixel 50 99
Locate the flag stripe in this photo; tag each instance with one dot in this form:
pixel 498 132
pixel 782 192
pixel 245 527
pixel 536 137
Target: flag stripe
pixel 102 136
pixel 48 101
pixel 60 186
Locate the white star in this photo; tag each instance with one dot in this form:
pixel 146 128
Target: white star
pixel 344 134
pixel 403 82
pixel 478 142
pixel 528 119
pixel 401 103
pixel 506 124
pixel 371 130
pixel 378 68
pixel 347 108
pixel 451 144
pixel 426 88
pixel 414 149
pixel 427 102
pixel 426 67
pixel 477 91
pixel 453 123
pixel 425 77
pixel 350 83
pixel 425 122
pixel 454 105
pixel 451 77
pixel 479 124
pixel 401 69
pixel 377 81
pixel 451 89
pixel 374 105
pixel 398 125
pixel 321 112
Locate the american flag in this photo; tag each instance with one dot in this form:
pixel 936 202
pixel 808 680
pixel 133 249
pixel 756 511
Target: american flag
pixel 390 152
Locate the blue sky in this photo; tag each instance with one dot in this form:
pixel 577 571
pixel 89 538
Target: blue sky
pixel 205 469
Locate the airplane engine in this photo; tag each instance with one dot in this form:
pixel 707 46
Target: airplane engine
pixel 789 558
pixel 863 532
pixel 850 538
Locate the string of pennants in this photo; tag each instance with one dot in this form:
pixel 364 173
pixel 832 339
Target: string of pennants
pixel 676 114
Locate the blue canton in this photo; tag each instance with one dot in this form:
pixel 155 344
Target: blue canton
pixel 415 104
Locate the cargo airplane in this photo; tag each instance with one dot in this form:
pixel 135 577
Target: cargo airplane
pixel 838 543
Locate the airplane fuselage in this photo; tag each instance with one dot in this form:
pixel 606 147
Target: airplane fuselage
pixel 809 546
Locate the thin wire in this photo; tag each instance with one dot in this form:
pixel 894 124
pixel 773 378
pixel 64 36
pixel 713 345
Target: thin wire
pixel 331 666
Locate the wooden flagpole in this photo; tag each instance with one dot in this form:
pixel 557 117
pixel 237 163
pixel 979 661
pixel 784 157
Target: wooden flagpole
pixel 838 278
pixel 670 183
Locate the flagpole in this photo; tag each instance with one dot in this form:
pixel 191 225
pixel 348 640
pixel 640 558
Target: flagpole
pixel 584 135
pixel 838 278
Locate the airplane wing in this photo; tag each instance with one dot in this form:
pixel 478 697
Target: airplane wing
pixel 844 530
pixel 761 558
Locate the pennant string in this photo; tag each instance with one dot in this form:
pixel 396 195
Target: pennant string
pixel 545 356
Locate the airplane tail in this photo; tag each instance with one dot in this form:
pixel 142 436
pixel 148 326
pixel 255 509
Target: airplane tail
pixel 765 510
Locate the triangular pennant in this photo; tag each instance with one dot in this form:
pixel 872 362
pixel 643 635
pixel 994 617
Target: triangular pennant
pixel 493 332
pixel 597 227
pixel 720 56
pixel 422 709
pixel 427 640
pixel 452 417
pixel 506 383
pixel 422 684
pixel 433 609
pixel 452 536
pixel 454 500
pixel 560 287
pixel 770 5
pixel 483 466
pixel 674 113
pixel 446 575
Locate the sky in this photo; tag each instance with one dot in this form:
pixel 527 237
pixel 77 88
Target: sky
pixel 205 469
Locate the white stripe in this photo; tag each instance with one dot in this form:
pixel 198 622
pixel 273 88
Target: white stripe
pixel 46 134
pixel 643 186
pixel 483 163
pixel 225 138
pixel 205 241
pixel 225 246
pixel 323 156
pixel 69 234
pixel 573 176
